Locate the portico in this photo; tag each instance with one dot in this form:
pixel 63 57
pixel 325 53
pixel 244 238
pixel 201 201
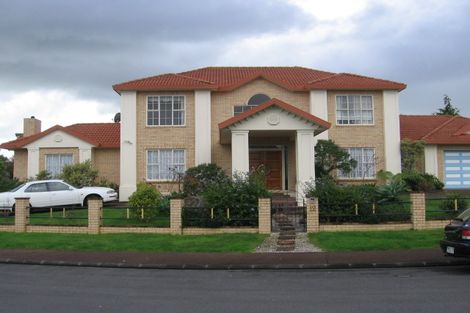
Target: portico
pixel 275 126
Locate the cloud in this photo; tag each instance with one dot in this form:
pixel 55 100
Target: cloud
pixel 51 107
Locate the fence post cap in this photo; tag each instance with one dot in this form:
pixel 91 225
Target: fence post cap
pixel 22 198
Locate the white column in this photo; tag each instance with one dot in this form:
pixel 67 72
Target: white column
pixel 240 152
pixel 430 160
pixel 202 115
pixel 128 155
pixel 33 162
pixel 319 108
pixel 392 131
pixel 84 154
pixel 305 161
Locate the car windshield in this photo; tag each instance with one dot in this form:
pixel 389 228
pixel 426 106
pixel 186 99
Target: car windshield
pixel 465 215
pixel 17 187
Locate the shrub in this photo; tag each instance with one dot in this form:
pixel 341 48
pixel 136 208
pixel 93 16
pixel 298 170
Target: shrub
pixel 80 174
pixel 338 203
pixel 421 182
pixel 239 194
pixel 103 182
pixel 43 175
pixel 197 179
pixel 145 198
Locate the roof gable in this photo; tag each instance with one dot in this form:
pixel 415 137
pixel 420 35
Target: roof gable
pixel 283 106
pixel 104 135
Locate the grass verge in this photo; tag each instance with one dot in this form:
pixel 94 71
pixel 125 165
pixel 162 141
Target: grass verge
pixel 132 242
pixel 377 240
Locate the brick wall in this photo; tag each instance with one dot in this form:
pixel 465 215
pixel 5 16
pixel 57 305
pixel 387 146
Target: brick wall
pixel 20 166
pixel 367 136
pixel 107 161
pixel 156 137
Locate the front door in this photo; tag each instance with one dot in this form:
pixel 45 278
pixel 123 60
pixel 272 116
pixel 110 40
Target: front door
pixel 272 162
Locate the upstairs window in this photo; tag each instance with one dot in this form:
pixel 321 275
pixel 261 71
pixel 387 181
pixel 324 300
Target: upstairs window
pixel 252 102
pixel 165 111
pixel 354 110
pixel 55 163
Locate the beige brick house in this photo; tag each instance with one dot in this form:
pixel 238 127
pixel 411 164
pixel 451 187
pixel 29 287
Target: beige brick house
pixel 244 117
pixel 52 149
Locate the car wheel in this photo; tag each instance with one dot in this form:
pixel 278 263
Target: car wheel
pixel 91 197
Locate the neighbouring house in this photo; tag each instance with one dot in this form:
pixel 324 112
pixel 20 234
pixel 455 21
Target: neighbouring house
pixel 447 146
pixel 244 117
pixel 52 149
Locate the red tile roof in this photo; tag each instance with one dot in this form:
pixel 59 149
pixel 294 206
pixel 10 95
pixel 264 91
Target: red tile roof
pixel 229 78
pixel 436 129
pixel 280 104
pixel 103 135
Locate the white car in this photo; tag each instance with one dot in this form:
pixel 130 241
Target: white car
pixel 48 193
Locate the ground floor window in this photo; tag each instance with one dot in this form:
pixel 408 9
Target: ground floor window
pixel 55 163
pixel 164 164
pixel 365 168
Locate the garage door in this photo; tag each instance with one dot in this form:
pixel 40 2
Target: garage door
pixel 457 169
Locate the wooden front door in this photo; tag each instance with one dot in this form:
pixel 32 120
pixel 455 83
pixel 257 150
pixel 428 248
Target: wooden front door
pixel 272 162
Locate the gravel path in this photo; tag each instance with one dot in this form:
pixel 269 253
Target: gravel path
pixel 302 244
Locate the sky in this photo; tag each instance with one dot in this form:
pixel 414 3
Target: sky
pixel 59 59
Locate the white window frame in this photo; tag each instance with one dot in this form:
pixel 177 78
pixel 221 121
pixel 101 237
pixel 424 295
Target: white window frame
pixel 157 164
pixel 60 155
pixel 349 176
pixel 361 110
pixel 172 111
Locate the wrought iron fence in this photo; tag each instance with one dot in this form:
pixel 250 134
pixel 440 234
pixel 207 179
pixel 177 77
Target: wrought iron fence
pixel 124 216
pixel 219 217
pixel 365 212
pixel 59 216
pixel 445 208
pixel 7 216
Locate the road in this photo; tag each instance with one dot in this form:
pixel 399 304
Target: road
pixel 27 288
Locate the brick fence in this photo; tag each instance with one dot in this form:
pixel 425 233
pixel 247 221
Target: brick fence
pixel 95 226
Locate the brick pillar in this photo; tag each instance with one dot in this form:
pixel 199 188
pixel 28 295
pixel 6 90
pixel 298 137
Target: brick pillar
pixel 264 216
pixel 176 208
pixel 95 212
pixel 21 214
pixel 418 210
pixel 313 216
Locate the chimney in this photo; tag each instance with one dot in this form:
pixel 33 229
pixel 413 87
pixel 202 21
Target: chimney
pixel 31 126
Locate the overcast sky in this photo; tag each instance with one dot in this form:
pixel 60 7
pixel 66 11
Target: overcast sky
pixel 58 59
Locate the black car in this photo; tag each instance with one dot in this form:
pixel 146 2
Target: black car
pixel 457 236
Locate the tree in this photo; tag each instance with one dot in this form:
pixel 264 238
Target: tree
pixel 448 108
pixel 330 157
pixel 412 152
pixel 7 182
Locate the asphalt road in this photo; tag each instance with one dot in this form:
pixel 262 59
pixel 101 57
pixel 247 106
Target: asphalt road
pixel 29 288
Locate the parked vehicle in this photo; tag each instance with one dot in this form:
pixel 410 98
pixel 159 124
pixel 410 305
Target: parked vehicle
pixel 48 193
pixel 457 236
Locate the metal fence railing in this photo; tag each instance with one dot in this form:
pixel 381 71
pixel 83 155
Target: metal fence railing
pixel 445 208
pixel 219 217
pixel 7 216
pixel 365 212
pixel 59 216
pixel 124 216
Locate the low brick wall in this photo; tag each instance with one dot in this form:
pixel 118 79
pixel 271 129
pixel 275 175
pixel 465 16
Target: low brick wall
pixel 57 229
pixel 436 224
pixel 9 228
pixel 222 230
pixel 135 230
pixel 365 227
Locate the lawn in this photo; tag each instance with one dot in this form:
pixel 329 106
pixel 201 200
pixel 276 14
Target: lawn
pixel 132 242
pixel 377 240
